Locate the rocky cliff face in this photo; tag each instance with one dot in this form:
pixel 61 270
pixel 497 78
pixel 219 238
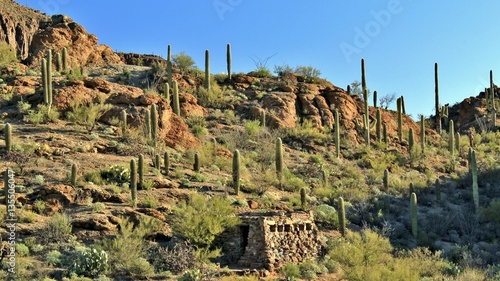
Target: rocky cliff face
pixel 31 33
pixel 18 25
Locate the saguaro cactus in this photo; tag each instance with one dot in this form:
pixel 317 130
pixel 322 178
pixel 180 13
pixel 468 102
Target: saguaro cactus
pixel 169 52
pixel 413 214
pixel 337 133
pixel 451 134
pixel 154 123
pixel 207 70
pixel 263 118
pixel 303 198
pixel 196 165
pixel 384 133
pixel 400 119
pixel 490 102
pixel 123 118
pixel 341 214
pixel 65 59
pixel 141 170
pixel 422 132
pixel 73 174
pixel 375 99
pixel 157 162
pixel 378 126
pixel 366 126
pixel 166 93
pixel 49 77
pixel 229 61
pixel 169 64
pixel 175 103
pixel 8 137
pixel 386 180
pixel 324 178
pixel 363 77
pixel 279 160
pixel 411 141
pixel 436 97
pixel 437 186
pixel 133 183
pixel 236 171
pixel 58 62
pixel 475 188
pixel 147 120
pixel 166 162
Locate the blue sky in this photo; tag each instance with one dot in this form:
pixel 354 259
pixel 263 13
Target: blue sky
pixel 399 39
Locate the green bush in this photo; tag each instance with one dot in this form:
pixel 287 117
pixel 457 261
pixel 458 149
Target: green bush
pixel 183 61
pixel 291 271
pixel 200 220
pixel 42 115
pixel 22 250
pixel 53 258
pixel 491 212
pixel 58 228
pixel 7 54
pixel 115 174
pixel 326 215
pixel 87 115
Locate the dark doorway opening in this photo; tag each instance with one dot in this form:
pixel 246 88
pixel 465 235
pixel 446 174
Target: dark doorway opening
pixel 244 231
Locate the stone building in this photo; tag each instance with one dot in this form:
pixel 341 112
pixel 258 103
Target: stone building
pixel 269 240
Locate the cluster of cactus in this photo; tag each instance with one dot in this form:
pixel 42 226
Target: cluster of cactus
pixel 8 137
pixel 413 214
pixel 62 60
pixel 133 182
pixel 337 133
pixel 229 61
pixel 279 160
pixel 175 102
pixel 236 171
pixel 207 70
pixel 490 102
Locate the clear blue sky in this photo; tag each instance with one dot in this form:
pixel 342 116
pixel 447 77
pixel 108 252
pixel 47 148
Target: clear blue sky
pixel 400 40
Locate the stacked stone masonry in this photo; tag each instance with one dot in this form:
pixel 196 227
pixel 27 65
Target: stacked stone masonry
pixel 269 240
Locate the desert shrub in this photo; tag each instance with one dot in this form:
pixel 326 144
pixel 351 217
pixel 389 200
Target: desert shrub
pixel 7 54
pixel 282 70
pixel 42 114
pixel 309 269
pixel 58 228
pixel 38 180
pixel 53 258
pixel 87 115
pixel 291 271
pixel 491 212
pixel 199 220
pixel 75 74
pixel 305 131
pixel 39 206
pixel 183 61
pixel 22 250
pixel 88 262
pixel 127 250
pixel 150 201
pixel 368 256
pixel 23 107
pixel 326 215
pixel 176 259
pixel 98 207
pixel 191 275
pixel 216 97
pixel 309 72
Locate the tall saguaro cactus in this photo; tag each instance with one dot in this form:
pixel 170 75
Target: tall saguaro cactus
pixel 133 183
pixel 65 59
pixel 475 187
pixel 229 62
pixel 422 132
pixel 236 171
pixel 207 70
pixel 451 134
pixel 196 165
pixel 437 186
pixel 8 137
pixel 411 141
pixel 147 120
pixel 49 77
pixel 166 162
pixel 366 126
pixel 279 160
pixel 58 62
pixel 490 102
pixel 169 64
pixel 378 125
pixel 413 214
pixel 436 97
pixel 375 99
pixel 175 103
pixel 386 180
pixel 337 133
pixel 123 117
pixel 400 118
pixel 141 170
pixel 73 174
pixel 166 92
pixel 154 123
pixel 341 214
pixel 303 198
pixel 363 77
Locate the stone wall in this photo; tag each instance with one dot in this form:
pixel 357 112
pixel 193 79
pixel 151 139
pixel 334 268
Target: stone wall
pixel 269 240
